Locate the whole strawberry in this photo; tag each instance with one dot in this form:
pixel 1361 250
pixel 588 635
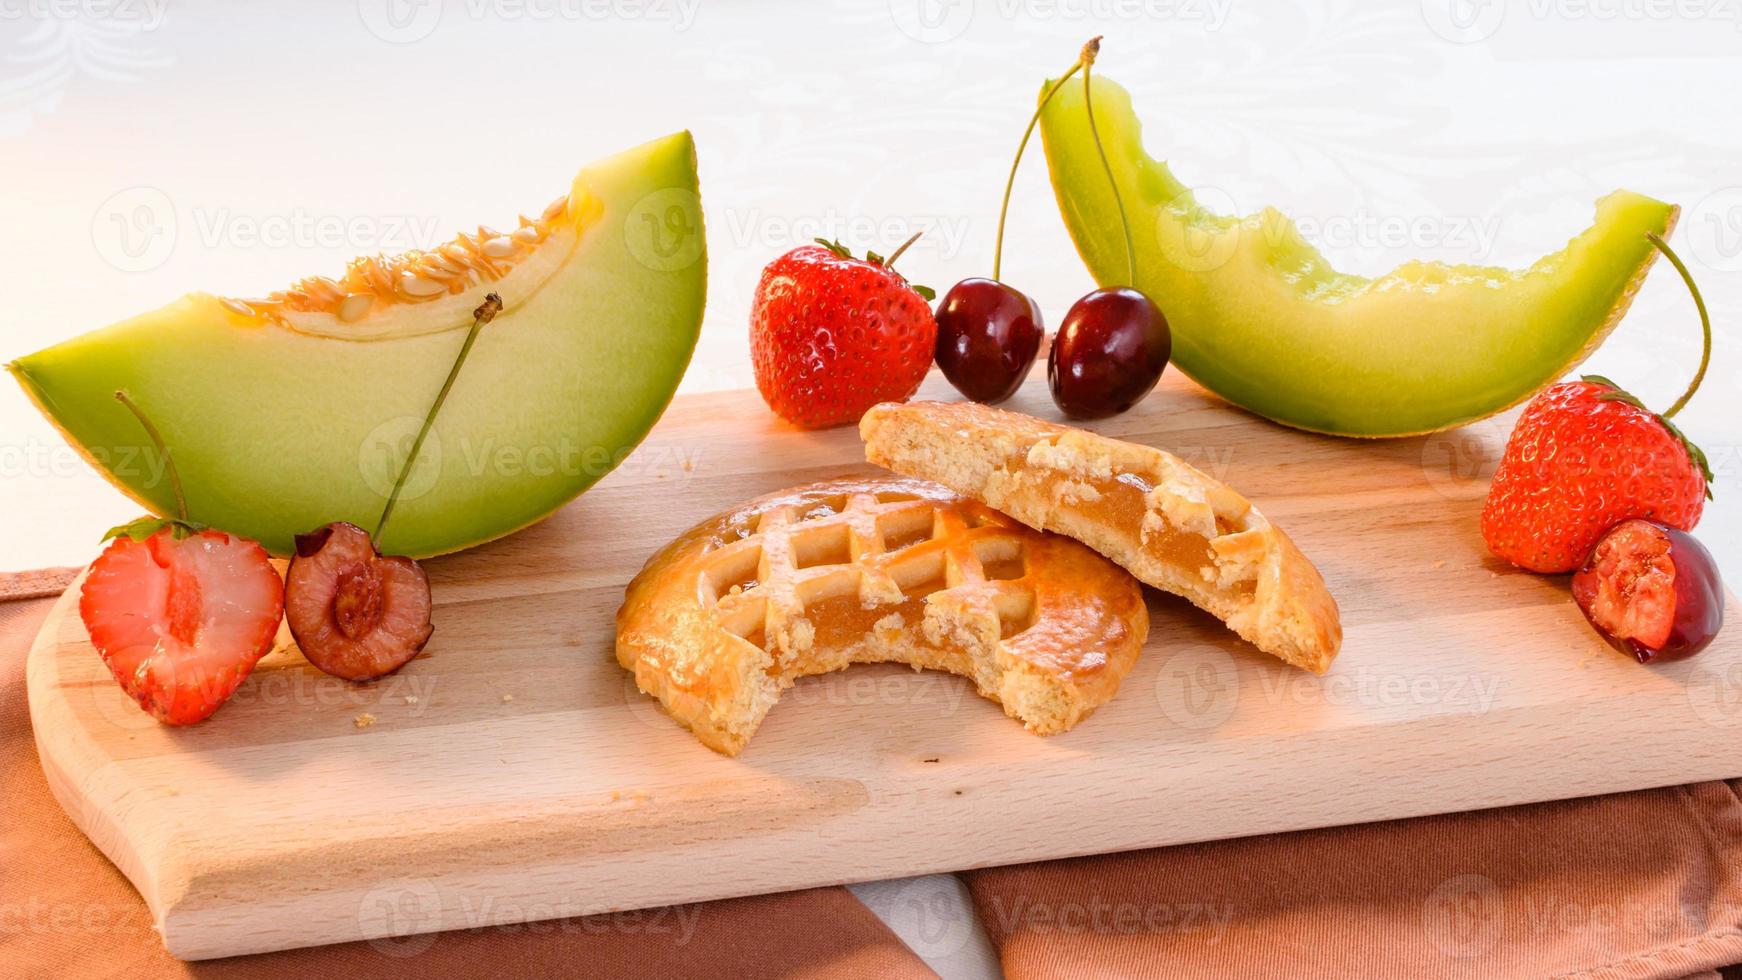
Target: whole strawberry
pixel 1585 456
pixel 832 335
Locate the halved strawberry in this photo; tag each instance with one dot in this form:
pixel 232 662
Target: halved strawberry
pixel 181 616
pixel 355 614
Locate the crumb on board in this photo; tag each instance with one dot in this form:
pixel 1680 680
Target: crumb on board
pixel 932 759
pixel 688 465
pixel 411 699
pixel 507 698
pixel 363 720
pixel 1439 564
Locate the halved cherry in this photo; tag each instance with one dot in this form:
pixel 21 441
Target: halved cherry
pixel 1651 590
pixel 354 613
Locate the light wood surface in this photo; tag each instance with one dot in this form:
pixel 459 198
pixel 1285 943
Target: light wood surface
pixel 513 773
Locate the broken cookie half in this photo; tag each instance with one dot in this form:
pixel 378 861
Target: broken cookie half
pixel 1169 524
pixel 729 615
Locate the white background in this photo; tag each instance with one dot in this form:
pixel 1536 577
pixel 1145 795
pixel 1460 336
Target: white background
pixel 163 146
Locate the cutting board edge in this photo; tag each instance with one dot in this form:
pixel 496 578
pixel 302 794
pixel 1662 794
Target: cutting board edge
pixel 134 857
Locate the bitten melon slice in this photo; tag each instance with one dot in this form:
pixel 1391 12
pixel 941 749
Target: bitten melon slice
pixel 286 413
pixel 1260 318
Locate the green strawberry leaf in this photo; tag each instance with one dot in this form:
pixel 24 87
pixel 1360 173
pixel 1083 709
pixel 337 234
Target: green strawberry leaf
pixel 835 247
pixel 1617 394
pixel 145 527
pixel 1695 453
pixel 926 292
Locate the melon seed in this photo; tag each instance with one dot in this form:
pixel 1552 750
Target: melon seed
pixel 355 306
pixel 414 285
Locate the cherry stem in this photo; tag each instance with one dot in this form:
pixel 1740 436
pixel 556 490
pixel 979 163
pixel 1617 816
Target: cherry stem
pixel 486 312
pixel 1010 183
pixel 181 500
pixel 1089 51
pixel 1705 321
pixel 889 263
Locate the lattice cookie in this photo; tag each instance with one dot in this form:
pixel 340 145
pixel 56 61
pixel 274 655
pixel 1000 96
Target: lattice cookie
pixel 1171 525
pixel 805 581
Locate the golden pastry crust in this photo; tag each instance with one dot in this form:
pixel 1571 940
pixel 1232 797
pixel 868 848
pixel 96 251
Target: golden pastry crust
pixel 1169 524
pixel 805 581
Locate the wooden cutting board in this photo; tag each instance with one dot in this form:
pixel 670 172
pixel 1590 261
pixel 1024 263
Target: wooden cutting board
pixel 513 773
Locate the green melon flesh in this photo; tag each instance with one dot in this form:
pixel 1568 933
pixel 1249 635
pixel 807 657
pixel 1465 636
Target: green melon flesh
pixel 1261 319
pixel 277 432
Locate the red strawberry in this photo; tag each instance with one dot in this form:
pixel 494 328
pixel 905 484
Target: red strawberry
pixel 181 616
pixel 1586 456
pixel 831 335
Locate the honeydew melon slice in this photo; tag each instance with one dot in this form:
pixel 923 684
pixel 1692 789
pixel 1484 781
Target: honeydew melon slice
pixel 1262 319
pixel 287 413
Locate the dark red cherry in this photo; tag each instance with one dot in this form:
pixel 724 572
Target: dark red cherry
pixel 988 336
pixel 1109 352
pixel 353 613
pixel 1651 590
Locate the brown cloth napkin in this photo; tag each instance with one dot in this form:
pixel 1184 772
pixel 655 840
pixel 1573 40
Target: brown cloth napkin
pixel 1635 885
pixel 65 911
